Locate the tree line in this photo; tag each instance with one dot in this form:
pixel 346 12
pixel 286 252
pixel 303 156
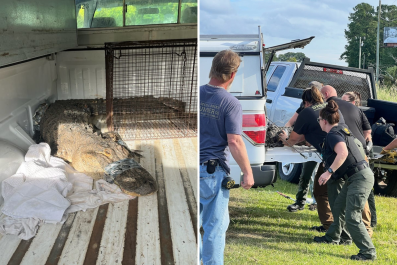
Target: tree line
pixel 363 22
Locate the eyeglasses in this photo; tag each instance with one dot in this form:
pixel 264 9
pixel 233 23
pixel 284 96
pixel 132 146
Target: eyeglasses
pixel 319 119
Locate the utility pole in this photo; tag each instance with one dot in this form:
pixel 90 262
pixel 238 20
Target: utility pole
pixel 377 45
pixel 359 56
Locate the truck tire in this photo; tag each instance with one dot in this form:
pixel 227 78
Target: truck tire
pixel 289 171
pixel 388 187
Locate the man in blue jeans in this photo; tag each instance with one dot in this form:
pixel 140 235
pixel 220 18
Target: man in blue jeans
pixel 220 135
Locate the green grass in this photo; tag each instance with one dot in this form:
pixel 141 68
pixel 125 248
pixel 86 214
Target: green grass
pixel 262 231
pixel 387 93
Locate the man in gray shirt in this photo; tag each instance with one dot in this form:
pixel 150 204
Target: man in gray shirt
pixel 220 135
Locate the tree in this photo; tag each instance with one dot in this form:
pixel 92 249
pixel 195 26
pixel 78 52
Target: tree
pixel 291 57
pixel 364 23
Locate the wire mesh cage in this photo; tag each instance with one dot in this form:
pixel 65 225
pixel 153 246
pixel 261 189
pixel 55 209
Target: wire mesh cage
pixel 151 89
pixel 341 79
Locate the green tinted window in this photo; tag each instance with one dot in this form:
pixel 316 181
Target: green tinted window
pixel 189 11
pixel 99 13
pixel 154 12
pixel 109 13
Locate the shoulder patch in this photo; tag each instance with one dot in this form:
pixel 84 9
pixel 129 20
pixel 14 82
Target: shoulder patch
pixel 346 131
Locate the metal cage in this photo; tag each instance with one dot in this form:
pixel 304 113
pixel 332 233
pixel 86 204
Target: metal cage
pixel 151 89
pixel 343 79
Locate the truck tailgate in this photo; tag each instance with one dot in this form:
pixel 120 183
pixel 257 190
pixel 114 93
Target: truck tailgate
pixel 156 229
pixel 297 154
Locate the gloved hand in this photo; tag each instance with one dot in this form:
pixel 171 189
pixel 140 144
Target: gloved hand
pixel 385 152
pixel 283 134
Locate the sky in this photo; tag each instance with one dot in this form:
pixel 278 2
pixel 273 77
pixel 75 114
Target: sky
pixel 284 20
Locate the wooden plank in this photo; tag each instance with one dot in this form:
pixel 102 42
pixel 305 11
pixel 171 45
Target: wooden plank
pixel 167 255
pixel 182 232
pixel 78 238
pixel 195 142
pixel 60 242
pixel 42 244
pixel 96 236
pixel 148 238
pixel 8 245
pixel 129 255
pixel 112 244
pixel 189 155
pixel 20 252
pixel 187 185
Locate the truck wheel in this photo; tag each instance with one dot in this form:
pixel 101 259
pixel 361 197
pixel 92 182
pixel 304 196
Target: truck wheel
pixel 388 186
pixel 289 171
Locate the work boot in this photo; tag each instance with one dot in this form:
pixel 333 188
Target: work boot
pixel 295 207
pixel 313 207
pixel 322 239
pixel 345 242
pixel 319 229
pixel 360 256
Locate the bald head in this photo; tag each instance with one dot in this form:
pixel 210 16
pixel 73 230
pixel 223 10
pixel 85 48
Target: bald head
pixel 328 91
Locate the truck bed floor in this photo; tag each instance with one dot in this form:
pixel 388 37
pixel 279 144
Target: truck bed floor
pixel 155 229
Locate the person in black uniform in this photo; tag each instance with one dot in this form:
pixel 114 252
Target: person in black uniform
pixel 344 159
pixel 353 120
pixel 307 128
pixel 355 98
pixel 308 167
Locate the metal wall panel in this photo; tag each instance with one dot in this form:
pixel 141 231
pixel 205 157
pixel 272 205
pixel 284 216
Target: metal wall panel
pixel 98 37
pixel 33 28
pixel 81 74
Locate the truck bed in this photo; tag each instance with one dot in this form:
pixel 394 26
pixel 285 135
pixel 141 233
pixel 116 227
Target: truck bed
pixel 156 229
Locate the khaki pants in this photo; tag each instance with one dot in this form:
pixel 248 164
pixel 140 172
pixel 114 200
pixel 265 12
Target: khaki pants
pixel 320 193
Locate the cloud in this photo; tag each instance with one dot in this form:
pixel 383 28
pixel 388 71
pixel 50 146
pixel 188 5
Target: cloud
pixel 216 6
pixel 282 21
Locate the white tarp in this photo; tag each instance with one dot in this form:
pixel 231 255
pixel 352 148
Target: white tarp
pixel 46 189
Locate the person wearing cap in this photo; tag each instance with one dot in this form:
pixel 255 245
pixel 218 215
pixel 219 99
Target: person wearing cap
pixel 220 134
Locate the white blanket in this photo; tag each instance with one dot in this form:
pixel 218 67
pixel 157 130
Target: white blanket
pixel 46 189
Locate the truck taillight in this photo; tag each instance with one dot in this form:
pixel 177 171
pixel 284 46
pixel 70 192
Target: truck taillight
pixel 257 136
pixel 254 127
pixel 254 120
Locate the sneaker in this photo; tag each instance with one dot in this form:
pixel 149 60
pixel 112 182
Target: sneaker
pixel 322 239
pixel 360 256
pixel 295 207
pixel 319 229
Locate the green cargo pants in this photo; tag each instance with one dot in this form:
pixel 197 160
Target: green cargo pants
pixel 334 187
pixel 348 208
pixel 304 180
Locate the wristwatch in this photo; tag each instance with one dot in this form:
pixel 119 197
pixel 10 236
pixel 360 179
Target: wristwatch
pixel 330 170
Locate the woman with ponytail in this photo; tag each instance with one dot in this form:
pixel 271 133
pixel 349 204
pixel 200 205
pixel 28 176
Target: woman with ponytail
pixel 307 128
pixel 343 158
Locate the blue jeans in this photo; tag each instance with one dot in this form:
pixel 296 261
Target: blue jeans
pixel 214 215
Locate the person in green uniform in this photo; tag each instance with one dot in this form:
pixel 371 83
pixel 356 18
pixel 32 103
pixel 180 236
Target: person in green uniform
pixel 344 159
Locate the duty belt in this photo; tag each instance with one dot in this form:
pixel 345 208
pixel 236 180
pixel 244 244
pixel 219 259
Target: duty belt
pixel 227 182
pixel 213 162
pixel 355 169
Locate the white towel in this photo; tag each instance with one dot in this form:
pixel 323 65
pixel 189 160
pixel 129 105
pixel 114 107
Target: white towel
pixel 46 189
